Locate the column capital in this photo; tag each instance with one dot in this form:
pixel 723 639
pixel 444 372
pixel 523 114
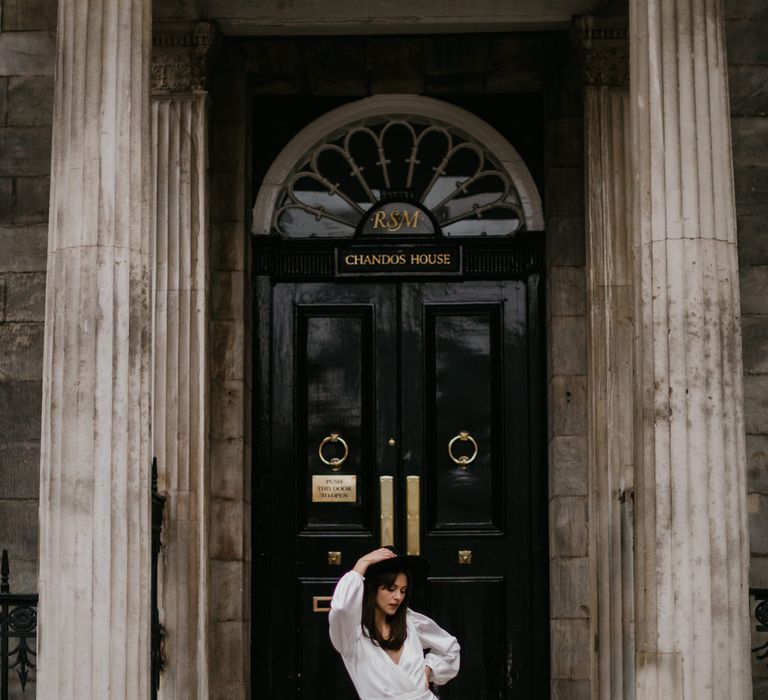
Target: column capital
pixel 181 54
pixel 603 43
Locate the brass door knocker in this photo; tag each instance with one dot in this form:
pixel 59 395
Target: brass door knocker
pixel 334 462
pixel 463 461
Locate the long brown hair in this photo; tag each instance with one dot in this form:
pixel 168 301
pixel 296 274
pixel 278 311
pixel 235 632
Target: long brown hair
pixel 397 627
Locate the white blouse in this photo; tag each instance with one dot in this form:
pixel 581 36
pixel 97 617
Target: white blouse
pixel 373 671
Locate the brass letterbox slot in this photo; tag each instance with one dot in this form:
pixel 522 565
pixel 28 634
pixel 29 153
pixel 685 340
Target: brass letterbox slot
pixel 320 603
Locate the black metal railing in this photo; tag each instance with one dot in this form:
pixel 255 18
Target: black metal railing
pixel 18 632
pixel 758 600
pixel 158 505
pixel 18 616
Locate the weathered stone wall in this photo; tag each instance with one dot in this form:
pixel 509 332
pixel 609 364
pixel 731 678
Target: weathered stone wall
pixel 27 43
pixel 567 378
pixel 746 23
pixel 230 394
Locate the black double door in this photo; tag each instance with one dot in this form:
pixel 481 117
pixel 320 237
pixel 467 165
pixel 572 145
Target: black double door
pixel 409 414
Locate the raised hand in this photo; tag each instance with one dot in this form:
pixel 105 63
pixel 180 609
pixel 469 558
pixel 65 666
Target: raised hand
pixel 371 558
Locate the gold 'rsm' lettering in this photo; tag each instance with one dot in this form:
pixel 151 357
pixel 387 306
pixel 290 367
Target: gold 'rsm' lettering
pixel 411 222
pixel 396 219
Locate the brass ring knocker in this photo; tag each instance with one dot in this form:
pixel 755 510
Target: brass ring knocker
pixel 335 462
pixel 463 461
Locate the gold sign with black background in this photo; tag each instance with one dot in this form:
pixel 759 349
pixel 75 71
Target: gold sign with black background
pixel 388 259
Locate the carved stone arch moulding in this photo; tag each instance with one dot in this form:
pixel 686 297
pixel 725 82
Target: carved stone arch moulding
pixel 446 159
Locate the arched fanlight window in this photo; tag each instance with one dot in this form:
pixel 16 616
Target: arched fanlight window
pixel 459 172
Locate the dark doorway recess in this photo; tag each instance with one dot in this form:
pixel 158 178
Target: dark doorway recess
pixel 399 367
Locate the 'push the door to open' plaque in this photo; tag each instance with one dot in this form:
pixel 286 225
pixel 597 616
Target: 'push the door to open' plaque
pixel 334 488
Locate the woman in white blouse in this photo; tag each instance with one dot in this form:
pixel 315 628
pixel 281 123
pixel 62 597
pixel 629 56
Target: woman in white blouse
pixel 380 639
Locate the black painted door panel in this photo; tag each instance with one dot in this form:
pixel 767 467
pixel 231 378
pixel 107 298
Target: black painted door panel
pixel 333 346
pixel 472 345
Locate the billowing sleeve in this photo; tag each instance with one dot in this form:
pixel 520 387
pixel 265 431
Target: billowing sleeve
pixel 346 613
pixel 443 656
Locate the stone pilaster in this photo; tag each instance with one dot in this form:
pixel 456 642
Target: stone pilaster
pixel 605 56
pixel 95 449
pixel 691 548
pixel 180 397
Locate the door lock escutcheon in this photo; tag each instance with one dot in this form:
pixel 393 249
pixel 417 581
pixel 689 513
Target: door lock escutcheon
pixel 334 558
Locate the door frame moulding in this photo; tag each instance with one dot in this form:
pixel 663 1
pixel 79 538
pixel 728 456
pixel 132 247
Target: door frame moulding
pixel 270 264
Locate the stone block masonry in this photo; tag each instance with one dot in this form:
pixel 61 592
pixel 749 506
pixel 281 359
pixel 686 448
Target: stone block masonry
pixel 230 386
pixel 748 82
pixel 26 94
pixel 567 385
pixel 27 44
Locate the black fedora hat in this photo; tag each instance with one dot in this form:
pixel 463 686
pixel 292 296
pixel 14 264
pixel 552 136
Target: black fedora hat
pixel 416 567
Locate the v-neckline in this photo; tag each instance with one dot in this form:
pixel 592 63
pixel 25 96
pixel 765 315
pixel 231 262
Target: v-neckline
pixel 402 651
pixel 391 658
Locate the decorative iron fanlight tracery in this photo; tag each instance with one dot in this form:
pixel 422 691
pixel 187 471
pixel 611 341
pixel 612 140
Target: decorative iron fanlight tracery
pixel 458 181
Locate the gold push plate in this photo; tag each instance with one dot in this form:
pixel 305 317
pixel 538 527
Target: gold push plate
pixel 320 603
pixel 465 556
pixel 334 558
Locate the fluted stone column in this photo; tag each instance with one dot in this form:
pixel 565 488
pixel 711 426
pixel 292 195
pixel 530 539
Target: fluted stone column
pixel 692 550
pixel 95 451
pixel 180 397
pixel 605 55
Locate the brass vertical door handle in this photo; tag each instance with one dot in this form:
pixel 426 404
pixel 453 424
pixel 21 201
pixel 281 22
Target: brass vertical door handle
pixel 387 493
pixel 413 506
